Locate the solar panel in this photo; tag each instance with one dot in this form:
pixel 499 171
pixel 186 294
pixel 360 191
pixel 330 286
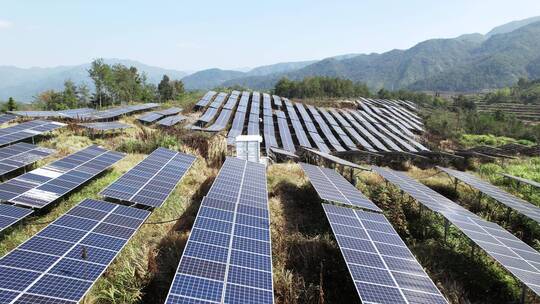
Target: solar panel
pixel 205 100
pixel 42 186
pixel 523 180
pixel 4 118
pixel 333 187
pixel 150 117
pixel 170 111
pixel 319 142
pixel 277 101
pixel 219 100
pixel 237 126
pixel 384 270
pixel 285 134
pixel 20 155
pixel 221 122
pixel 291 112
pixel 267 101
pixel 336 159
pixel 372 130
pixel 62 262
pixel 232 100
pixel 372 139
pixel 118 111
pixel 151 181
pixel 105 126
pixel 170 121
pixel 208 115
pixel 300 134
pixel 253 128
pixel 328 133
pixel 496 193
pixel 269 132
pixel 513 254
pixel 344 137
pixel 9 215
pixel 349 128
pixel 403 141
pixel 27 130
pixel 228 257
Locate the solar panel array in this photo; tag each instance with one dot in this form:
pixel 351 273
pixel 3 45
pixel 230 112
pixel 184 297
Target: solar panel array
pixel 221 122
pixel 170 111
pixel 105 126
pixel 513 254
pixel 170 121
pixel 150 117
pixel 381 125
pixel 119 111
pixel 333 187
pixel 326 130
pixel 227 258
pixel 42 186
pixel 218 101
pixel 4 118
pixel 523 180
pixel 62 262
pixel 9 215
pixel 206 99
pixel 284 132
pixel 20 155
pixel 384 270
pixel 27 130
pixel 70 113
pixel 151 182
pixel 496 193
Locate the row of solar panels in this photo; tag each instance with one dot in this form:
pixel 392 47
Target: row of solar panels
pixel 166 118
pixel 228 257
pixel 61 262
pixel 383 269
pixel 88 113
pixel 377 127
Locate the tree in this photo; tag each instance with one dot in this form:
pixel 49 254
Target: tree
pixel 69 95
pixel 83 95
pixel 100 74
pixel 165 90
pixel 11 104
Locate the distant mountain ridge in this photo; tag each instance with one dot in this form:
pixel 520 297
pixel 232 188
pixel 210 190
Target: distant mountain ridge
pixel 469 62
pixel 24 84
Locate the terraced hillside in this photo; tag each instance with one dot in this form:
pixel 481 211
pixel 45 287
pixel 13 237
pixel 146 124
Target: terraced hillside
pixel 529 113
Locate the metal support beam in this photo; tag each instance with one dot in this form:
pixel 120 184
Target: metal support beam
pixel 523 293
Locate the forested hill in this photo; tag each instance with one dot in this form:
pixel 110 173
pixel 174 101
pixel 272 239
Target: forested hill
pixel 466 63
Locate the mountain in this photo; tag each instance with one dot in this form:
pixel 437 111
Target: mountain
pixel 279 68
pixel 469 62
pixel 24 84
pixel 210 78
pixel 512 26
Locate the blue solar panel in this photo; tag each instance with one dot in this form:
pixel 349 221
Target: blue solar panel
pixel 9 215
pixel 228 255
pixel 20 155
pixel 517 257
pixel 151 182
pixel 41 186
pixel 382 267
pixel 61 262
pixel 27 130
pixel 333 187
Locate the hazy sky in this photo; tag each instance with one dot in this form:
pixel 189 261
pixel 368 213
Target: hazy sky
pixel 192 35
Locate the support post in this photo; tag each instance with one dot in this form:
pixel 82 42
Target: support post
pixel 456 181
pixel 523 293
pixel 446 224
pixel 508 214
